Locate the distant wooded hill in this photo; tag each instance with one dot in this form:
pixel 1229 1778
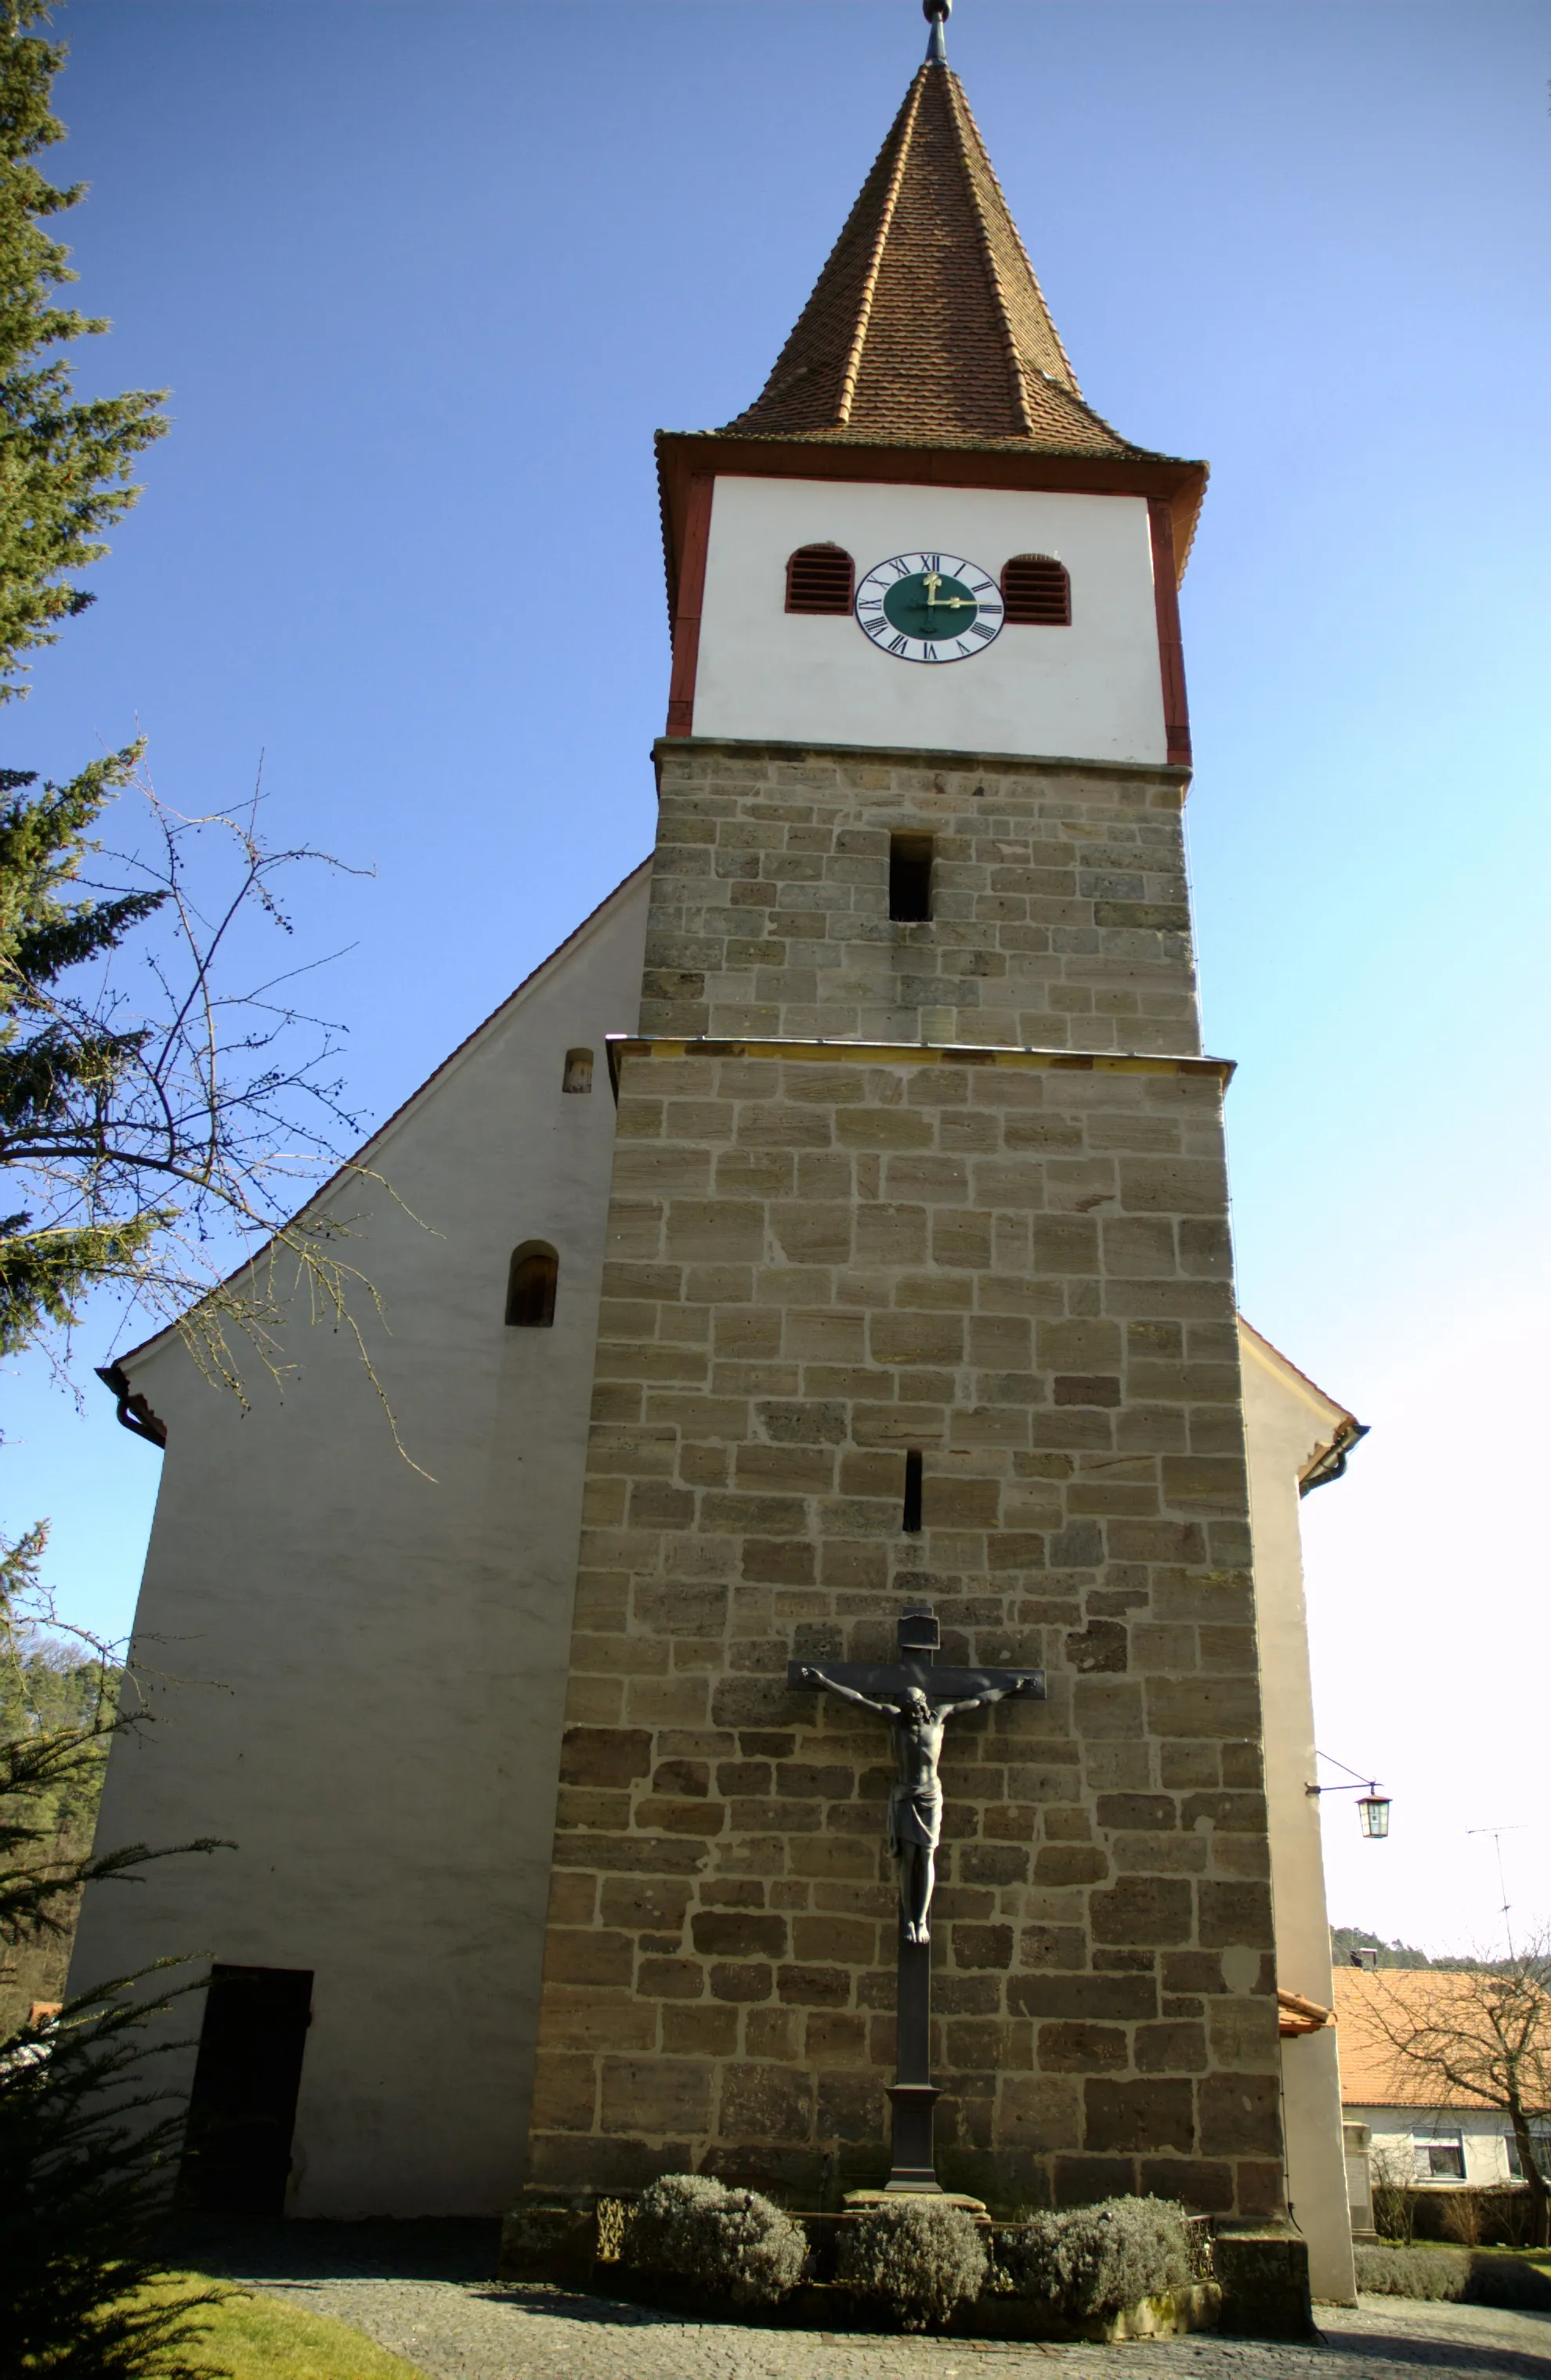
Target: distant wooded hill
pixel 1345 1940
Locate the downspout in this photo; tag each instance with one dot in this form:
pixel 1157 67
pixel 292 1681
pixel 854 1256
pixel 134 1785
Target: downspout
pixel 134 1412
pixel 1330 1463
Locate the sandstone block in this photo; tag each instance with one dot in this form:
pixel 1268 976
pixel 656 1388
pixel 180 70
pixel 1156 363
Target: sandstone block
pixel 1039 2111
pixel 606 1757
pixel 1170 2048
pixel 564 2092
pixel 1239 2115
pixel 981 1945
pixel 764 2103
pixel 742 1980
pixel 1143 1911
pixel 658 2095
pixel 1070 1864
pixel 573 1955
pixel 1234 1912
pixel 576 2018
pixel 739 1933
pixel 1148 2113
pixel 1205 2187
pixel 1075 2048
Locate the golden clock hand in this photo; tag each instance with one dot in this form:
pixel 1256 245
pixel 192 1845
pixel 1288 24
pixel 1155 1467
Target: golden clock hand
pixel 932 580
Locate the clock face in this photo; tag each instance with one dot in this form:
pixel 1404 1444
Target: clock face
pixel 929 607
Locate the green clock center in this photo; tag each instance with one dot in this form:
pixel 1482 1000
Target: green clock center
pixel 929 606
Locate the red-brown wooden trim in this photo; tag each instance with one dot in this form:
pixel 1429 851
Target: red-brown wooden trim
pixel 684 456
pixel 686 614
pixel 1171 649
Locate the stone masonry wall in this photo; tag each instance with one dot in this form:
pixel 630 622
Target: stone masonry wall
pixel 1060 914
pixel 1018 1264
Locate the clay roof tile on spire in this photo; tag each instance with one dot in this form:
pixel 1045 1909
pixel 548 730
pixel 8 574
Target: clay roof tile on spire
pixel 927 323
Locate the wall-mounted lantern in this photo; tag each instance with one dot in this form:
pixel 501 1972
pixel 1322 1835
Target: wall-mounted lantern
pixel 1373 1808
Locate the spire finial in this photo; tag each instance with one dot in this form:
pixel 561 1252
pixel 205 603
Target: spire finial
pixel 936 13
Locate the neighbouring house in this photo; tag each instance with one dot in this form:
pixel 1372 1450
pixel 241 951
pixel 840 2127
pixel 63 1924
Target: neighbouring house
pixel 1422 2131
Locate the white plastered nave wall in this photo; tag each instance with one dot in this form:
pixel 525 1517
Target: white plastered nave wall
pixel 387 1652
pixel 1286 1420
pixel 1090 691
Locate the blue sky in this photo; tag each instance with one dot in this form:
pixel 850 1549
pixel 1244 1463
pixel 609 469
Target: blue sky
pixel 424 276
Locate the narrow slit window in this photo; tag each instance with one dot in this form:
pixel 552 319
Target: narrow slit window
pixel 1036 592
pixel 531 1286
pixel 910 1521
pixel 820 579
pixel 579 1070
pixel 910 877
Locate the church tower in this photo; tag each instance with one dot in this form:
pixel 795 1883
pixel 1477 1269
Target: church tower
pixel 918 1291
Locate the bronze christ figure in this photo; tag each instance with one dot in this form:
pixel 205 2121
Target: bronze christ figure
pixel 914 1823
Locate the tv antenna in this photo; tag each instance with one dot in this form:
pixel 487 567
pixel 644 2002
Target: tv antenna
pixel 1496 1834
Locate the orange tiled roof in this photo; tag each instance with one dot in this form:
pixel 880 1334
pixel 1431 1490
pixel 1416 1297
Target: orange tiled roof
pixel 1372 2074
pixel 927 325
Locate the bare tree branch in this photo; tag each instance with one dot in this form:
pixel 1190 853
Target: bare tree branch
pixel 182 1144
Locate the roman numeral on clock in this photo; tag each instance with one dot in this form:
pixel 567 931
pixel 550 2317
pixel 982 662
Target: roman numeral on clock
pixel 900 645
pixel 978 628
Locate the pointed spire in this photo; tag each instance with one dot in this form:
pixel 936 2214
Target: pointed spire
pixel 936 13
pixel 927 325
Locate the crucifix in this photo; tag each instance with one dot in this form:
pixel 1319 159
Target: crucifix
pixel 918 1698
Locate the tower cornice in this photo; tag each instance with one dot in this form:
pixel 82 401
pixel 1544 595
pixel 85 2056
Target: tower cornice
pixel 686 455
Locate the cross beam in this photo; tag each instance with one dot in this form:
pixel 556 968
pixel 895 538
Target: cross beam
pixel 916 1667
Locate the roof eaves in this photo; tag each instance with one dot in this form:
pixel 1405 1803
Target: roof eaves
pixel 1123 451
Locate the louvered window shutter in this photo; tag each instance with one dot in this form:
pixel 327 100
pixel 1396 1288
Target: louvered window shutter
pixel 1036 591
pixel 820 579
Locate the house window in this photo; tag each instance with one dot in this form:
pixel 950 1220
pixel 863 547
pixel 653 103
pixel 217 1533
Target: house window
pixel 820 579
pixel 578 1075
pixel 531 1284
pixel 910 877
pixel 1542 2152
pixel 1036 592
pixel 1437 2152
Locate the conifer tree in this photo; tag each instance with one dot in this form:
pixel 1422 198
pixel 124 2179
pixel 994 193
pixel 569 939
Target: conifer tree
pixel 64 479
pixel 64 466
pixel 148 1137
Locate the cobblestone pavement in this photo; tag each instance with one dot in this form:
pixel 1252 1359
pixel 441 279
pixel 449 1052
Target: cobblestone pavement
pixel 420 2290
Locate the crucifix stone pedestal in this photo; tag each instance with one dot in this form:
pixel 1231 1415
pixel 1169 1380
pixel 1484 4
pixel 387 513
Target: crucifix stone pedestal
pixel 917 1697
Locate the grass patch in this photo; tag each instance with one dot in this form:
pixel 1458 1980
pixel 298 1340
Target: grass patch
pixel 250 2336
